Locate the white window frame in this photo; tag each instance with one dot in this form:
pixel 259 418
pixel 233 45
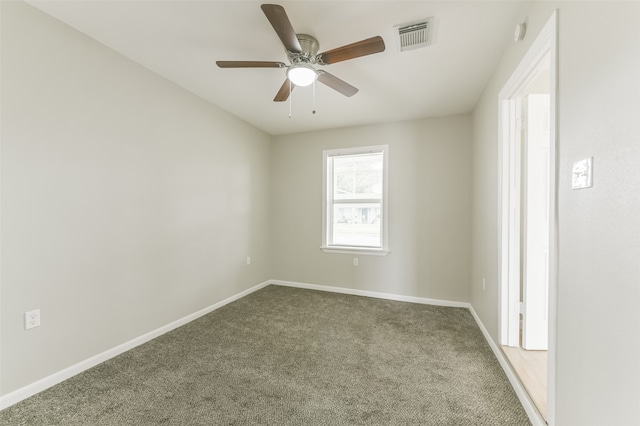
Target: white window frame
pixel 327 202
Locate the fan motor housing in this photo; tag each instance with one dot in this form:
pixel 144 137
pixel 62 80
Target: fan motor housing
pixel 309 46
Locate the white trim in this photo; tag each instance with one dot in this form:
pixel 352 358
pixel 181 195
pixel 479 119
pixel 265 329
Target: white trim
pixel 327 175
pixel 45 383
pixel 355 250
pixel 552 25
pixel 534 415
pixel 377 295
pixel 545 43
pixel 55 378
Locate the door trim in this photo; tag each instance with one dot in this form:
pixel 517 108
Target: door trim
pixel 509 199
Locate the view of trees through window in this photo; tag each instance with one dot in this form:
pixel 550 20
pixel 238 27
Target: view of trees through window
pixel 357 197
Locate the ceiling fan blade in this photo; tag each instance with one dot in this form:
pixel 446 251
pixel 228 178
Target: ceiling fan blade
pixel 281 24
pixel 353 50
pixel 284 92
pixel 250 64
pixel 336 83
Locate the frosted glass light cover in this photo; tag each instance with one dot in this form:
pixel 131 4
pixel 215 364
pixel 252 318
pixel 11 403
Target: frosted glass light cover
pixel 301 74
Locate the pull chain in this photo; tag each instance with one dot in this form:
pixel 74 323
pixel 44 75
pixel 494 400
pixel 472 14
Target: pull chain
pixel 314 97
pixel 290 98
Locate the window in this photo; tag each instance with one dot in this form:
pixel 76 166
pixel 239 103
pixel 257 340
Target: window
pixel 354 200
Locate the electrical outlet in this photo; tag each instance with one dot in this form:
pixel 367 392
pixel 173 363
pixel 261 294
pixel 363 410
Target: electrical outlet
pixel 355 261
pixel 484 284
pixel 248 260
pixel 32 319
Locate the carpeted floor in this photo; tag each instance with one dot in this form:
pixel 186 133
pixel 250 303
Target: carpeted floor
pixel 287 356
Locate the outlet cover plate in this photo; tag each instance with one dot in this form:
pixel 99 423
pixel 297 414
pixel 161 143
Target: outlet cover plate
pixel 32 319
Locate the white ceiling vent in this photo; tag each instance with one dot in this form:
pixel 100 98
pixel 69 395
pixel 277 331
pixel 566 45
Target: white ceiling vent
pixel 414 35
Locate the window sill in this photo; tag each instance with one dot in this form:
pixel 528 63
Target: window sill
pixel 355 250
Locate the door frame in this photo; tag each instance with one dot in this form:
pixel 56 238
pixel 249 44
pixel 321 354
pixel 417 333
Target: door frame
pixel 509 191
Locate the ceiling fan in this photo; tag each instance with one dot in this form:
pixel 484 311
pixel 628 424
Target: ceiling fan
pixel 302 50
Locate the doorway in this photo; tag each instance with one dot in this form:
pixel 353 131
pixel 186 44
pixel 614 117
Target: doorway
pixel 528 220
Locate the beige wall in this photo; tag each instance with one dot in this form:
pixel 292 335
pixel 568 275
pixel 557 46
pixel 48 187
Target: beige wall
pixel 127 203
pixel 429 209
pixel 599 271
pixel 598 332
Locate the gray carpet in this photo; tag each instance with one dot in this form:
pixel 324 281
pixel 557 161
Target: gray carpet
pixel 286 356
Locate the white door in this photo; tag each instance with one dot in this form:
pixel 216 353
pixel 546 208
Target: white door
pixel 536 114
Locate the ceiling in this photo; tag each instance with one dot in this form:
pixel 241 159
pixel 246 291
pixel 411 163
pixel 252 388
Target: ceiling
pixel 181 40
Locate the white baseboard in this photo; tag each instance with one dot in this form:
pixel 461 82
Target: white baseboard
pixel 45 383
pixel 377 295
pixel 523 396
pixel 534 415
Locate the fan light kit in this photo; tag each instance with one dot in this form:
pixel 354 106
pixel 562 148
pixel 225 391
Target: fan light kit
pixel 302 51
pixel 302 74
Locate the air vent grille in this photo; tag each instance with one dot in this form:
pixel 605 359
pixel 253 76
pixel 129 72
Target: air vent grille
pixel 414 35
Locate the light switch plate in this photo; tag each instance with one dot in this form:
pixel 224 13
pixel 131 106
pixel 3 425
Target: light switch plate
pixel 582 176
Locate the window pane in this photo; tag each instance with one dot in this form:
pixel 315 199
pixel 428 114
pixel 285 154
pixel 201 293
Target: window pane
pixel 356 225
pixel 357 176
